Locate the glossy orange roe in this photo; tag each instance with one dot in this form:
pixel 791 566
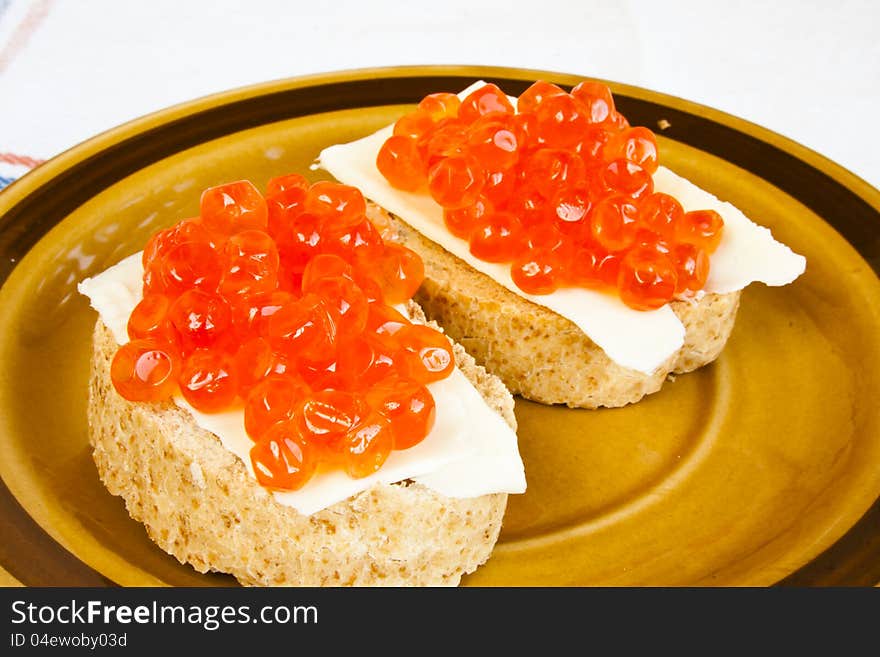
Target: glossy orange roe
pixel 561 187
pixel 282 305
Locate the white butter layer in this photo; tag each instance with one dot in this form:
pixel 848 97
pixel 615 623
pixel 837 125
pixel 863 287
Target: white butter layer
pixel 640 340
pixel 470 451
pixel 747 252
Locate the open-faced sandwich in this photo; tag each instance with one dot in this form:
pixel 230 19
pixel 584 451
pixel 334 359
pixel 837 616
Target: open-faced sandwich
pixel 557 250
pixel 270 403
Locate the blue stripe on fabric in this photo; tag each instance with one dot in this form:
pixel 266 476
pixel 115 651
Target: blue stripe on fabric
pixel 5 181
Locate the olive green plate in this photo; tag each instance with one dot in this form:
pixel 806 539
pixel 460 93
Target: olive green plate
pixel 761 468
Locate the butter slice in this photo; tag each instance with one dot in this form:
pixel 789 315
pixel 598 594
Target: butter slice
pixel 640 340
pixel 470 451
pixel 747 252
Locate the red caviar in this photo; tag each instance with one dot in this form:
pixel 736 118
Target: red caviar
pixel 409 407
pixel 487 99
pixel 426 356
pixel 283 458
pixel 150 319
pixel 456 181
pixel 283 305
pixel 400 162
pixel 366 446
pixel 440 106
pixel 497 238
pixel 145 370
pixel 208 380
pixel 559 186
pixel 233 207
pixel 647 278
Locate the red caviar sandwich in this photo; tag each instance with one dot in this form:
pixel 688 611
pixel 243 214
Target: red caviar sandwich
pixel 270 403
pixel 557 249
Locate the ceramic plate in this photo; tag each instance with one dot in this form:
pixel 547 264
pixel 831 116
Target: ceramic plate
pixel 761 468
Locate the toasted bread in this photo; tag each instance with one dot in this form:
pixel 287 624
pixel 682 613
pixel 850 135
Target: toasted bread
pixel 199 504
pixel 536 352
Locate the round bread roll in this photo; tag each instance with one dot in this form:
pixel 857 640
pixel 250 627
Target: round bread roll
pixel 538 353
pixel 199 504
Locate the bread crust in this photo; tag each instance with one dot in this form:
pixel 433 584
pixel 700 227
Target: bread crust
pixel 198 503
pixel 536 352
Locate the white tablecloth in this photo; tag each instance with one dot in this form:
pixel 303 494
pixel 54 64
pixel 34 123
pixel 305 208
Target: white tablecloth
pixel 70 69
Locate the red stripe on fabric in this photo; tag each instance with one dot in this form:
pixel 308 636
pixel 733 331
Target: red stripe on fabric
pixel 22 160
pixel 37 12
